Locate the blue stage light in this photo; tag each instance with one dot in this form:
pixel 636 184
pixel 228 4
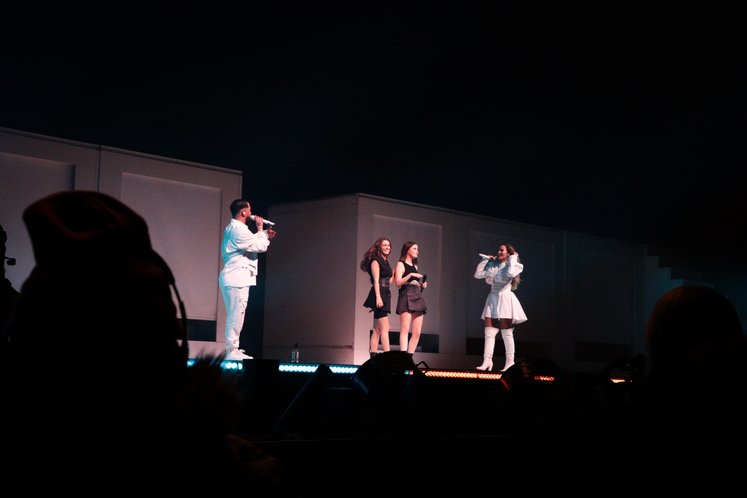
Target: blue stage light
pixel 311 368
pixel 231 365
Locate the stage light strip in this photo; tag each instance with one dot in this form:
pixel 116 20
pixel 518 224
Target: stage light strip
pixel 451 374
pixel 311 368
pixel 231 365
pixel 225 364
pixel 351 369
pixel 297 368
pixel 619 380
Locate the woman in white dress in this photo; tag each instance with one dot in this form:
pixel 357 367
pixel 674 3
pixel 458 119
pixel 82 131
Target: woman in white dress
pixel 502 309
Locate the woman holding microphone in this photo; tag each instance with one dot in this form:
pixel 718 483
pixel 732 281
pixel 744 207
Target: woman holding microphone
pixel 410 304
pixel 502 309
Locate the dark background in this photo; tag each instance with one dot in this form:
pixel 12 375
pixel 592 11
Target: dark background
pixel 616 120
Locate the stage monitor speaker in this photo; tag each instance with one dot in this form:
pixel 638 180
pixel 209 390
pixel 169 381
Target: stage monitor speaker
pixel 529 371
pixel 391 370
pixel 311 397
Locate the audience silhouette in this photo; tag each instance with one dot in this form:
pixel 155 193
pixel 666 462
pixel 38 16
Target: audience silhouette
pixel 95 389
pixel 696 353
pixel 7 292
pixel 681 422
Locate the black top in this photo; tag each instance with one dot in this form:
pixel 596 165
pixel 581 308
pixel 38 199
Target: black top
pixel 385 273
pixel 409 269
pixel 410 296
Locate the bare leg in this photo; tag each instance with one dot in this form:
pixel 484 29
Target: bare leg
pixel 404 319
pixel 381 330
pixel 374 346
pixel 417 325
pixel 384 324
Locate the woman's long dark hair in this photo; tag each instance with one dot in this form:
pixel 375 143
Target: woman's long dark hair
pixel 373 251
pixel 406 247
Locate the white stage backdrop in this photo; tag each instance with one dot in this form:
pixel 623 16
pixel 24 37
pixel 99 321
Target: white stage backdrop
pixel 186 207
pixel 184 222
pixel 428 237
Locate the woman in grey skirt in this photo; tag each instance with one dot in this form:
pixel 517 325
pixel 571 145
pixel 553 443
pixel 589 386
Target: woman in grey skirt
pixel 410 304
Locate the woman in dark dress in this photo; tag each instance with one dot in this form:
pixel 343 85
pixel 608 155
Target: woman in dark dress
pixel 379 298
pixel 410 304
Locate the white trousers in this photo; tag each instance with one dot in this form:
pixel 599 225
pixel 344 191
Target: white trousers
pixel 236 299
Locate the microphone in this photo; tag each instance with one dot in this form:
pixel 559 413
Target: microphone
pixel 267 222
pixel 485 256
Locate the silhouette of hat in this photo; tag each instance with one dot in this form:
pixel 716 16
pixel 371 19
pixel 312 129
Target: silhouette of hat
pixel 97 284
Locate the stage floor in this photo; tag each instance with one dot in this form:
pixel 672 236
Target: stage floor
pixel 319 401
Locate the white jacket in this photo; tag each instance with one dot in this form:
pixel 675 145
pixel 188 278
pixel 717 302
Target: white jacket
pixel 499 276
pixel 239 250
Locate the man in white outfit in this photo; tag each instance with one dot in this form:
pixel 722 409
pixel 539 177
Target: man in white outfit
pixel 239 250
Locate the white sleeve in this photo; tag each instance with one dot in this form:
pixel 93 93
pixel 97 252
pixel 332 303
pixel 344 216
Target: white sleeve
pixel 481 272
pixel 253 242
pixel 514 267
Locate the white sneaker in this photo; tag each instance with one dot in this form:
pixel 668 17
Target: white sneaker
pixel 237 355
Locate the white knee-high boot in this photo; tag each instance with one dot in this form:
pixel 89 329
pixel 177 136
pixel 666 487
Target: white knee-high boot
pixel 508 343
pixel 487 355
